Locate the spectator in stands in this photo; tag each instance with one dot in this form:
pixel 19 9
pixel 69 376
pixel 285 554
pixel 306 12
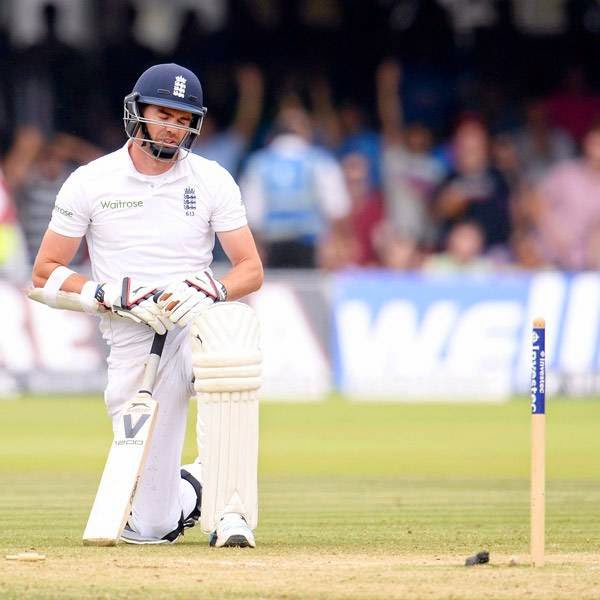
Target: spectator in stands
pixel 506 159
pixel 203 43
pixel 593 250
pixel 358 137
pixel 338 249
pixel 345 130
pixel 475 190
pixel 36 168
pixel 463 251
pixel 53 83
pixel 410 174
pixel 538 144
pixel 124 57
pixel 367 207
pixel 524 202
pixel 569 216
pixel 6 90
pixel 14 265
pixel 526 254
pixel 294 192
pixel 229 145
pixel 526 207
pixel 394 251
pixel 573 107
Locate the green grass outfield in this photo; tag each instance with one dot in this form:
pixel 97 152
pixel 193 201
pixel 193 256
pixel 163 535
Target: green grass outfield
pixel 357 500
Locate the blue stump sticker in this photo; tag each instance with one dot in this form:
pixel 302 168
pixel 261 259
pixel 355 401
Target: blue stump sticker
pixel 538 371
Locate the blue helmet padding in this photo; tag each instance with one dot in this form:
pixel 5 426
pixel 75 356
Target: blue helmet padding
pixel 171 104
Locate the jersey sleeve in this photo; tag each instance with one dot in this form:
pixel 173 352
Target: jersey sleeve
pixel 70 215
pixel 229 212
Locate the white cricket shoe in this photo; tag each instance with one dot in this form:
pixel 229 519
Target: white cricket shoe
pixel 232 531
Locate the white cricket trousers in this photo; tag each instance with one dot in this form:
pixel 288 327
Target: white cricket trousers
pixel 161 495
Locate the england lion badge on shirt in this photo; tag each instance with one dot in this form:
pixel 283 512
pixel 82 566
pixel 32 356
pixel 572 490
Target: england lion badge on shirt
pixel 189 201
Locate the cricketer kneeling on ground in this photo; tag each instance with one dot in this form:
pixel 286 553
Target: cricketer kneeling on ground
pixel 149 218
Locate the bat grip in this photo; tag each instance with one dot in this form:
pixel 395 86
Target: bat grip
pixel 158 343
pixel 151 368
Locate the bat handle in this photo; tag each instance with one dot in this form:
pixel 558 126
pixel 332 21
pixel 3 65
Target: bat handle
pixel 158 343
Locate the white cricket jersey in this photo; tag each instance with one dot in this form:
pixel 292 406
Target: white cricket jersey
pixel 155 229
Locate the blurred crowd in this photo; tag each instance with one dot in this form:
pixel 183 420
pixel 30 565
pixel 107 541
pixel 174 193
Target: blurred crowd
pixel 424 170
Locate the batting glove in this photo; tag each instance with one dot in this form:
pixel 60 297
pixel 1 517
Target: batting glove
pixel 183 300
pixel 132 303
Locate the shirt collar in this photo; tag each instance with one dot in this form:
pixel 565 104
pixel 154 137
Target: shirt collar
pixel 178 170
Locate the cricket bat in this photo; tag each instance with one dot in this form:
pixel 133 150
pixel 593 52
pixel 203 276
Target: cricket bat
pixel 63 300
pixel 126 458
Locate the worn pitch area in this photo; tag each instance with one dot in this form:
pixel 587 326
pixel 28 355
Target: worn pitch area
pixel 357 501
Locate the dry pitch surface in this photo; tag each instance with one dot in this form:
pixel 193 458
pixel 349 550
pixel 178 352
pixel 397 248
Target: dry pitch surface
pixel 197 573
pixel 357 501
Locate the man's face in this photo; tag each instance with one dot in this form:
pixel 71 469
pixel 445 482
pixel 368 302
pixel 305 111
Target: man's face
pixel 171 129
pixel 471 147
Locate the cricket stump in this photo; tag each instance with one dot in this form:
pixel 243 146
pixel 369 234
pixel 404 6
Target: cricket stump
pixel 538 442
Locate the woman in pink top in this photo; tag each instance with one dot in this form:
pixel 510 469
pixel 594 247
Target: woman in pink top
pixel 569 219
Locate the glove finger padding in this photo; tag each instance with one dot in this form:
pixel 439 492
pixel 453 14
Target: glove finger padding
pixel 172 295
pixel 139 304
pixel 187 305
pixel 181 301
pixel 150 314
pixel 193 312
pixel 127 315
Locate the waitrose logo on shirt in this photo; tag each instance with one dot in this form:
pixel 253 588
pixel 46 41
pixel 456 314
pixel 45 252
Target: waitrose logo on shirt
pixel 122 204
pixel 62 211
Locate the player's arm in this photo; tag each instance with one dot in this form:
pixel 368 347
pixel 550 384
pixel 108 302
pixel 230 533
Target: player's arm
pixel 55 251
pixel 389 106
pixel 52 276
pixel 250 101
pixel 246 274
pixel 183 300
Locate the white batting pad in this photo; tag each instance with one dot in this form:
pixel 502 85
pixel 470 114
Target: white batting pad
pixel 227 363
